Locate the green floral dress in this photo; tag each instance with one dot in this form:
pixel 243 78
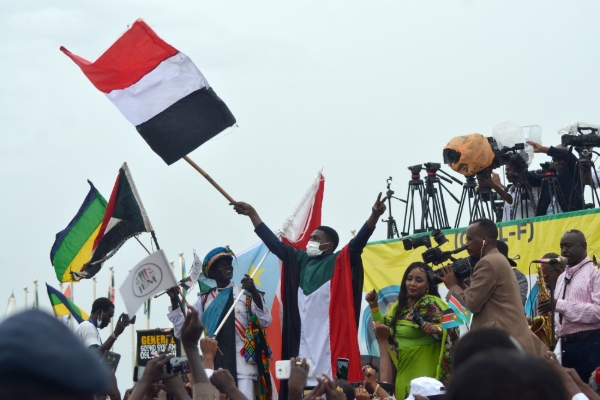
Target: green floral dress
pixel 414 353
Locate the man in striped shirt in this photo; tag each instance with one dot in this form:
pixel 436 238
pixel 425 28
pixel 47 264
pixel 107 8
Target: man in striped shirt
pixel 577 307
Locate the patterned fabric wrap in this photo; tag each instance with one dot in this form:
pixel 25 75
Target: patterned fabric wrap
pixel 213 256
pixel 431 309
pixel 256 350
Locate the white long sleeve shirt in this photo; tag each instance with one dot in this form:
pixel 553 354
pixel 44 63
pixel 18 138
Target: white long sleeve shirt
pixel 244 369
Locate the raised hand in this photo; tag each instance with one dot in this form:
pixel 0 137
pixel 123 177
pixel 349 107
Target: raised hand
pixel 122 323
pixel 222 380
pixel 242 208
pixel 379 206
pixel 248 284
pixel 298 377
pixel 192 329
pixel 382 332
pixel 372 298
pixel 537 148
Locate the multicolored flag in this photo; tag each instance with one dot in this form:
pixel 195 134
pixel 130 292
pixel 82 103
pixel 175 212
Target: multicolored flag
pixel 450 319
pixel 72 248
pixel 63 306
pixel 124 218
pixel 159 90
pixel 460 308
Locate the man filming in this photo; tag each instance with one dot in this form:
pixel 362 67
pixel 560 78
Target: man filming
pixel 567 175
pixel 493 296
pixel 577 307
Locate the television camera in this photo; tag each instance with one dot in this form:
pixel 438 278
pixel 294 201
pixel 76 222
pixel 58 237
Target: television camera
pixel 434 255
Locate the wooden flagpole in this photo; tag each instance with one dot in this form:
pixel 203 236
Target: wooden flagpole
pixel 208 178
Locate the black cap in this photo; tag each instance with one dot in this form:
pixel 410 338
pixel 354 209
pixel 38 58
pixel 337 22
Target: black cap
pixel 503 248
pixel 38 346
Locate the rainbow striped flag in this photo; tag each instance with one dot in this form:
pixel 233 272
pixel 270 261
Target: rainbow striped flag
pixel 72 248
pixel 63 306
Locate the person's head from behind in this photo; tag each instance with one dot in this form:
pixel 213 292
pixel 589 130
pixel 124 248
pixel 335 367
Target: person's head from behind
pixel 573 246
pixel 345 387
pixel 516 168
pixel 480 341
pixel 322 241
pixel 501 375
pixel 557 269
pixel 42 359
pixel 480 237
pixel 102 311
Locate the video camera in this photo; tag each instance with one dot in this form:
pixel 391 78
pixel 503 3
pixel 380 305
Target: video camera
pixel 434 255
pixel 578 138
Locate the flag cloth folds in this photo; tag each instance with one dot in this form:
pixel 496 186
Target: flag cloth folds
pixel 111 287
pixel 450 319
pixel 72 248
pixel 63 306
pixel 159 90
pixel 124 218
pixel 460 308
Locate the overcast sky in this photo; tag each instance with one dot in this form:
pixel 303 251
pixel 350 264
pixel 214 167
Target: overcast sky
pixel 363 89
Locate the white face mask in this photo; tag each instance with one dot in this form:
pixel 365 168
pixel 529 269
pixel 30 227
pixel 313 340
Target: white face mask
pixel 312 249
pixel 99 320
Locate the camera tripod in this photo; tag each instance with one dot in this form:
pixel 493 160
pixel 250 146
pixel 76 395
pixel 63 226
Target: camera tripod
pixel 479 200
pixel 524 194
pixel 392 228
pixel 431 197
pixel 587 176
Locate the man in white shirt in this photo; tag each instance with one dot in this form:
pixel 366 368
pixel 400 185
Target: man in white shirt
pixel 233 356
pixel 88 331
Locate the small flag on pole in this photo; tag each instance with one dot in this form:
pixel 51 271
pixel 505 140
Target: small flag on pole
pixel 159 90
pixel 63 306
pixel 450 319
pixel 460 308
pixel 152 275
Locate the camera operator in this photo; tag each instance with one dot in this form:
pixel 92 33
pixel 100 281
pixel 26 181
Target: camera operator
pixel 567 176
pixel 493 296
pixel 520 200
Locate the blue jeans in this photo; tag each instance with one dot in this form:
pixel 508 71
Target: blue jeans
pixel 583 355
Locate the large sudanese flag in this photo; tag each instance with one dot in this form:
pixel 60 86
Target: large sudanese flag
pixel 159 90
pixel 72 248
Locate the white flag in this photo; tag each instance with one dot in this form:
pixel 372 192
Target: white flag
pixel 151 276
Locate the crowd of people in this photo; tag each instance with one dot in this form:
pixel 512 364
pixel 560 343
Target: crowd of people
pixel 498 357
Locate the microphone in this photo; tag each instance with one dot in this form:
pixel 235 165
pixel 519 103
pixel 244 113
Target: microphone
pixel 552 261
pixel 417 319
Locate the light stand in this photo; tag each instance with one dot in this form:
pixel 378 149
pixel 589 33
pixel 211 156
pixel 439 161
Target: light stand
pixel 392 229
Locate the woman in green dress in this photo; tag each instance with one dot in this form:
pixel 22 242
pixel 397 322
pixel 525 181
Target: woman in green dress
pixel 413 350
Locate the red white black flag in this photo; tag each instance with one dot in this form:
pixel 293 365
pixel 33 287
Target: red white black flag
pixel 159 90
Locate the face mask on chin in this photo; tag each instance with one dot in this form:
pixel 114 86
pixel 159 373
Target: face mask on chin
pixel 313 249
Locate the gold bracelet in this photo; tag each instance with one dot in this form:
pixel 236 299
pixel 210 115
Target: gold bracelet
pixel 374 310
pixel 112 335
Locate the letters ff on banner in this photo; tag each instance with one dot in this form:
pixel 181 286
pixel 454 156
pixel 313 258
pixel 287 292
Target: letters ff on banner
pixel 156 341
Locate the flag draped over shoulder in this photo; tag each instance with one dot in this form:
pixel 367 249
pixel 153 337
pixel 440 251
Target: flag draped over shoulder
pixel 63 306
pixel 159 90
pixel 72 248
pixel 125 217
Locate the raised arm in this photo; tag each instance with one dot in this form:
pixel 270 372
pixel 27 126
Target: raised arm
pixel 360 241
pixel 264 233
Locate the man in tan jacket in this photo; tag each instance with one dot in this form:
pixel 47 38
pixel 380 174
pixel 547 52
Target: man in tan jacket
pixel 493 296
